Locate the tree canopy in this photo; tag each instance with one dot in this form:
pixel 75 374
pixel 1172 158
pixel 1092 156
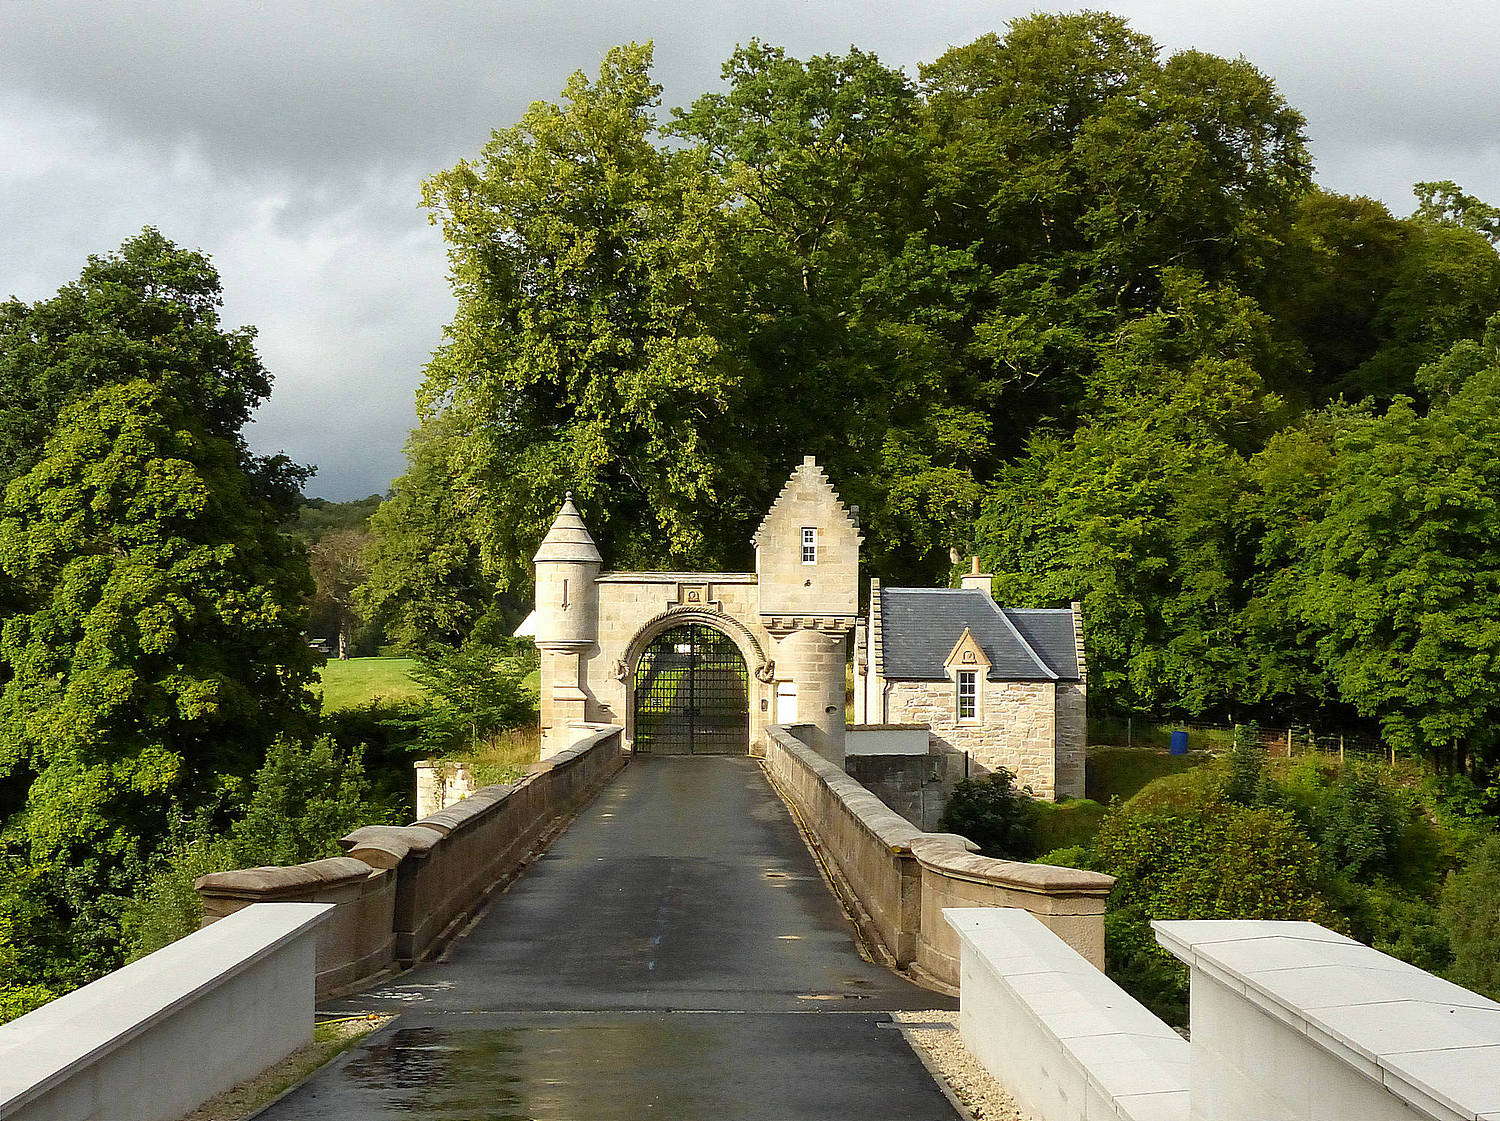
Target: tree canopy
pixel 1062 298
pixel 152 628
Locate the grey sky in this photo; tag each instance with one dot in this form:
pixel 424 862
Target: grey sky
pixel 288 139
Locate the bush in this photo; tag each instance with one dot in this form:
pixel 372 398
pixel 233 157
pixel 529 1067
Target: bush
pixel 478 690
pixel 303 799
pixel 992 813
pixel 1074 856
pixel 1470 914
pixel 1187 852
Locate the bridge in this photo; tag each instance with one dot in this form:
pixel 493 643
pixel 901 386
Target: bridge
pixel 620 936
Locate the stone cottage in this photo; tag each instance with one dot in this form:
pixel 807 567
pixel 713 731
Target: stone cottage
pixel 1005 685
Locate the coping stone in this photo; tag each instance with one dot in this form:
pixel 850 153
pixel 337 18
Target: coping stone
pixel 42 1049
pixel 1432 1041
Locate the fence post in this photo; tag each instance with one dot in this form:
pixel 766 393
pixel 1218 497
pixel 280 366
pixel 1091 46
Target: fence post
pixel 1129 731
pixel 1341 747
pixel 1288 743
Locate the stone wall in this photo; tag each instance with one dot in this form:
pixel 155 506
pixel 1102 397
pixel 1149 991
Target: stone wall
pixel 1063 1040
pixel 634 607
pixel 1290 1022
pixel 916 786
pixel 401 890
pixel 1016 727
pixel 902 877
pixel 158 1037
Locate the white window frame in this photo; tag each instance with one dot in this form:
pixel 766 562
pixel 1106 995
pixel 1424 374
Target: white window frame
pixel 973 694
pixel 809 544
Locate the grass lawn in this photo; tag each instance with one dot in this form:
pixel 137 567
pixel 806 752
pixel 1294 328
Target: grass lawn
pixel 360 680
pixel 1124 770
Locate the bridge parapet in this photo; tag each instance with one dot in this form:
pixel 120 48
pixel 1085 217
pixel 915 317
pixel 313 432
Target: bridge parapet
pixel 902 877
pixel 401 890
pixel 158 1037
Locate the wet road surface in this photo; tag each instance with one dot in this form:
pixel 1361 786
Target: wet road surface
pixel 675 954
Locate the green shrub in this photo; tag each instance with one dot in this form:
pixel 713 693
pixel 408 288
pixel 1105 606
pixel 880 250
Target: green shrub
pixel 1187 852
pixel 992 813
pixel 1470 914
pixel 303 799
pixel 1074 856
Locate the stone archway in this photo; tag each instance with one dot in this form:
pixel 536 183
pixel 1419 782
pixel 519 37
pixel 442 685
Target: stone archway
pixel 721 672
pixel 691 694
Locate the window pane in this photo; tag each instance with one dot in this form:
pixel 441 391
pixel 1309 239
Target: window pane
pixel 966 695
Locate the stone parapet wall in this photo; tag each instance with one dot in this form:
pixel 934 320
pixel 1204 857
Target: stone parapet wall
pixel 1290 1022
pixel 356 940
pixel 903 877
pixel 155 1039
pixel 402 889
pixel 1063 1040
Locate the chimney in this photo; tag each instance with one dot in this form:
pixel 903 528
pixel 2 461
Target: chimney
pixel 974 580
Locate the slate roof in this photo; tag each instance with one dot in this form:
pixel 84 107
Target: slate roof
pixel 920 626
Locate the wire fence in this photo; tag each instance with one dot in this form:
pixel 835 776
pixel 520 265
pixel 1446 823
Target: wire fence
pixel 1127 731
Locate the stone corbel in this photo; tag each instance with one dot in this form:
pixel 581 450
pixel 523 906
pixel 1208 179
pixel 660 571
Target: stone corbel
pixel 765 672
pixel 622 670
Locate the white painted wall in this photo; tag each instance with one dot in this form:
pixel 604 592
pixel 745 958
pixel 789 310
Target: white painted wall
pixel 1065 1041
pixel 1292 1022
pixel 885 741
pixel 156 1039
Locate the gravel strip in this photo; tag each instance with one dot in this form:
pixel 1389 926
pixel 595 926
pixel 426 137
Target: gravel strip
pixel 935 1035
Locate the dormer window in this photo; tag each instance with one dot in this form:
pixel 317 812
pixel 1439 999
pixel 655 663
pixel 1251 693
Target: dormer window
pixel 968 694
pixel 809 545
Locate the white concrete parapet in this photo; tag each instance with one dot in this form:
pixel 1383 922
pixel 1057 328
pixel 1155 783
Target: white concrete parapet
pixel 886 739
pixel 1064 1041
pixel 1292 1021
pixel 157 1038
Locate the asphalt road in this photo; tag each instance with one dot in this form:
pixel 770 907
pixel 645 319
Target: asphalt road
pixel 675 954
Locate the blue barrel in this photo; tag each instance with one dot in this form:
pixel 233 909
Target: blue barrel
pixel 1179 743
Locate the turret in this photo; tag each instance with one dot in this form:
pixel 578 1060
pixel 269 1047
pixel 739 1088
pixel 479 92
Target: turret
pixel 567 605
pixel 567 622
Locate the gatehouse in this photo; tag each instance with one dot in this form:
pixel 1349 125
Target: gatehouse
pixel 703 662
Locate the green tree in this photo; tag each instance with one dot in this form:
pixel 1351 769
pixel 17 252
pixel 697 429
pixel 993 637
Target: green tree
pixel 339 567
pixel 1400 574
pixel 147 312
pixel 583 254
pixel 1470 914
pixel 1076 164
pixel 161 647
pixel 1133 514
pixel 426 583
pixel 478 690
pixel 304 797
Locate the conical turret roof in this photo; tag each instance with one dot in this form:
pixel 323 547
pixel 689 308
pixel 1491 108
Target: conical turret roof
pixel 568 539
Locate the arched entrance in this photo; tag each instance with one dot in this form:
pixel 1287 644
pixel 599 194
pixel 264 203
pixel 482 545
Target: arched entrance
pixel 692 694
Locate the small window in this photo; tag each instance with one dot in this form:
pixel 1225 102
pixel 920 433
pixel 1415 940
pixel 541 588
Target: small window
pixel 967 694
pixel 809 545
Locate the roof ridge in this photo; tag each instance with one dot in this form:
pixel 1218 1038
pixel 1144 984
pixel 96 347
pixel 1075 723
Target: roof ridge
pixel 1021 638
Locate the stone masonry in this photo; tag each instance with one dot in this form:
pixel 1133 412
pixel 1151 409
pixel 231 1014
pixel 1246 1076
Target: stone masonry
pixel 790 619
pixel 1016 728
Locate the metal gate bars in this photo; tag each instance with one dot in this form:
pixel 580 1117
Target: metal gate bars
pixel 692 695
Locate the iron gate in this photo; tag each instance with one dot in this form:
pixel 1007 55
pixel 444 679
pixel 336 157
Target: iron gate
pixel 692 695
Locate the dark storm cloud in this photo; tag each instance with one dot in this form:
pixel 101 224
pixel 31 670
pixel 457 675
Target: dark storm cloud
pixel 289 140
